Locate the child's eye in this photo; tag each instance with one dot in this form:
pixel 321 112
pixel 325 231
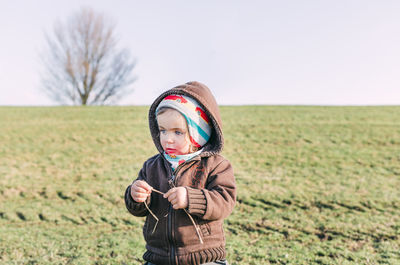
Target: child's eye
pixel 178 133
pixel 162 131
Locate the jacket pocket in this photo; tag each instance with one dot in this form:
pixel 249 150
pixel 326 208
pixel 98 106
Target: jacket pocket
pixel 205 229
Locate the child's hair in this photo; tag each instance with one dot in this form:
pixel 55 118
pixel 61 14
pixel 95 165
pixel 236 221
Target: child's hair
pixel 162 110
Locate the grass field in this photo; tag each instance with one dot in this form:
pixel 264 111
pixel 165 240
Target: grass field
pixel 316 185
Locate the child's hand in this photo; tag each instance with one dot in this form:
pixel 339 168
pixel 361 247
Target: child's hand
pixel 177 197
pixel 140 190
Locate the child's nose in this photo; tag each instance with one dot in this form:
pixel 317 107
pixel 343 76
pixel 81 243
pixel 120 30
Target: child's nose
pixel 169 138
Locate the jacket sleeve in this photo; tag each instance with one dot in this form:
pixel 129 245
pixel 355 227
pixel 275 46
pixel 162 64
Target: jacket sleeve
pixel 218 198
pixel 136 208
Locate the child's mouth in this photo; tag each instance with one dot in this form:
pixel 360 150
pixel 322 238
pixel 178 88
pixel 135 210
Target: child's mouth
pixel 171 151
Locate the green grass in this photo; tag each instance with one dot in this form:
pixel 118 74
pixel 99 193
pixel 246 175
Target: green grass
pixel 316 185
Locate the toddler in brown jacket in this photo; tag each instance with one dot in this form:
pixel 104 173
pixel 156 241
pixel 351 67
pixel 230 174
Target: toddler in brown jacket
pixel 188 188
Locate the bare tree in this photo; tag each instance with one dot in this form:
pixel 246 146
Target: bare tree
pixel 82 63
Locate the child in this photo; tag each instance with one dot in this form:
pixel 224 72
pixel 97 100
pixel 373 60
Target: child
pixel 187 189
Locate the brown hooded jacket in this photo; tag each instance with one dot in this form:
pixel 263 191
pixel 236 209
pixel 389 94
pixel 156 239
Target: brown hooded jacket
pixel 194 235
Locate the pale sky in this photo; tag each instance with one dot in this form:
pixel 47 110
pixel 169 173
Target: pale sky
pixel 338 52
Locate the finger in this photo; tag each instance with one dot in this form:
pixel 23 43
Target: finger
pixel 147 187
pixel 171 191
pixel 141 195
pixel 138 187
pixel 139 190
pixel 177 205
pixel 172 197
pixel 167 194
pixel 138 196
pixel 144 185
pixel 140 199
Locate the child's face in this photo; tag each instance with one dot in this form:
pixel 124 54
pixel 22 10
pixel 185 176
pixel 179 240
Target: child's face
pixel 174 135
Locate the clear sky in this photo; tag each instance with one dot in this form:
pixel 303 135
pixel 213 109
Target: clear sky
pixel 342 52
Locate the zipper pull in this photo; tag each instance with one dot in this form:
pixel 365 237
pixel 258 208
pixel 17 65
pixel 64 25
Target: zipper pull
pixel 171 181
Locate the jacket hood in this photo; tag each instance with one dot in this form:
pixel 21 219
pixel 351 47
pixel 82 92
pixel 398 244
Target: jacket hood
pixel 205 98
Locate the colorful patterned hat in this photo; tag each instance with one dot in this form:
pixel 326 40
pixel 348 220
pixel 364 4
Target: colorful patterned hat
pixel 198 122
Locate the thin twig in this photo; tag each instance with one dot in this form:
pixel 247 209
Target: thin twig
pixel 155 217
pixel 153 189
pixel 188 214
pixel 195 226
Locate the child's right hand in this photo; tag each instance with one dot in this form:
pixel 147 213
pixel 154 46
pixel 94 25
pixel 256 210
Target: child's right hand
pixel 140 190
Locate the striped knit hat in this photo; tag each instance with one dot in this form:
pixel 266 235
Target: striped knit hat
pixel 198 123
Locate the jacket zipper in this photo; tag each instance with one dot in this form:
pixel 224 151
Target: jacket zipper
pixel 175 173
pixel 170 232
pixel 171 237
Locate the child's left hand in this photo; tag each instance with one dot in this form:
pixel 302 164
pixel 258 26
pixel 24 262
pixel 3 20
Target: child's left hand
pixel 177 197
